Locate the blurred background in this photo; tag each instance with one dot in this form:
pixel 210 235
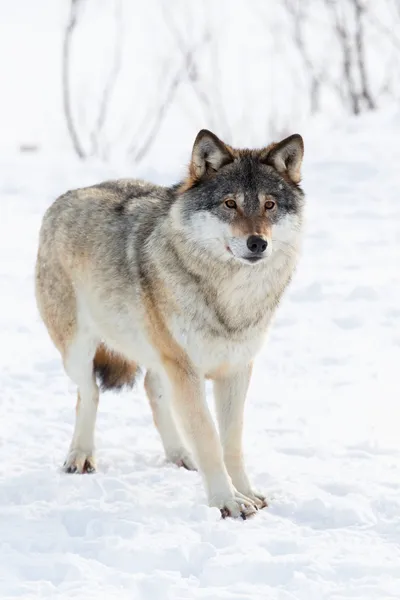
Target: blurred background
pixel 133 81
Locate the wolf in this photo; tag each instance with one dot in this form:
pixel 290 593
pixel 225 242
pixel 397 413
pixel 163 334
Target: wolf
pixel 180 281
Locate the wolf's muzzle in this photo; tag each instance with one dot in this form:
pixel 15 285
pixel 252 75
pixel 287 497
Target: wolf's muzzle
pixel 257 245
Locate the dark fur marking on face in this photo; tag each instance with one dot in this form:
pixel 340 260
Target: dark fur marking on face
pixel 248 176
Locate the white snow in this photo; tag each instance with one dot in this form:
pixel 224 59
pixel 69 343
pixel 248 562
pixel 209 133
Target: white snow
pixel 322 419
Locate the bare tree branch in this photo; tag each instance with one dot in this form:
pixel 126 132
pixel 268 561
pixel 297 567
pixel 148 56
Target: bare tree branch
pixel 345 45
pixel 387 32
pixel 139 150
pixel 162 111
pixel 66 84
pixel 151 108
pixel 298 15
pixel 361 58
pixel 218 103
pixel 110 83
pixel 212 108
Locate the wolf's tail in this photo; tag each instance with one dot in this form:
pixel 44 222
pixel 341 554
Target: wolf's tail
pixel 113 371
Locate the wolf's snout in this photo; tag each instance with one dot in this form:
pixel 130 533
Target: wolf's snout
pixel 257 244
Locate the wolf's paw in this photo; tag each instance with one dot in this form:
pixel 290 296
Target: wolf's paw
pixel 238 507
pixel 79 461
pixel 256 498
pixel 181 458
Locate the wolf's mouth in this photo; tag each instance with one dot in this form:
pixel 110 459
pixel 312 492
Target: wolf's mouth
pixel 253 259
pixel 245 259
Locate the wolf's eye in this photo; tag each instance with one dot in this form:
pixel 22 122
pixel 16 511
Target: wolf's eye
pixel 269 205
pixel 230 204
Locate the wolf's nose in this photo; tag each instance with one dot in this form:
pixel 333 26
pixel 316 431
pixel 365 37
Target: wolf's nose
pixel 256 244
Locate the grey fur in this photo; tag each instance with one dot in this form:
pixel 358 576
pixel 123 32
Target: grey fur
pixel 162 276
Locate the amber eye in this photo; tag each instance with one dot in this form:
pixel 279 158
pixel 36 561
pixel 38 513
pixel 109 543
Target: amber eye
pixel 230 204
pixel 269 205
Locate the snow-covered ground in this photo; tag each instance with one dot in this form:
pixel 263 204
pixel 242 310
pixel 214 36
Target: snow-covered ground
pixel 322 422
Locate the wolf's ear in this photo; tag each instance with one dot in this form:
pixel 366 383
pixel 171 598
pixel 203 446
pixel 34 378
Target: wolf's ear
pixel 287 156
pixel 209 154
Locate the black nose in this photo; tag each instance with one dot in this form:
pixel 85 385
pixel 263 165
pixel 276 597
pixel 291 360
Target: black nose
pixel 257 244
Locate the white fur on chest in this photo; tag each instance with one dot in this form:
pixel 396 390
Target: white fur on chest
pixel 210 353
pixel 247 300
pixel 196 328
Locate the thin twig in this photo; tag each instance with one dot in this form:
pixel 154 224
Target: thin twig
pixel 66 84
pixel 138 152
pixel 111 81
pixel 361 58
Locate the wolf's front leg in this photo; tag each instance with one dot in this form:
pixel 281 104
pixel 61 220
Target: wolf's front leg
pixel 230 394
pixel 188 393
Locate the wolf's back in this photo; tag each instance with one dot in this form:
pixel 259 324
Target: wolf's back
pixel 83 237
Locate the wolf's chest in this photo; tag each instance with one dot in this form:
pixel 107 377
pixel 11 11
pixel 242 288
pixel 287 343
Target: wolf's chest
pixel 224 328
pixel 213 352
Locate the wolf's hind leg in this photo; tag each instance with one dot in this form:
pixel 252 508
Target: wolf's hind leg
pixel 164 420
pixel 79 366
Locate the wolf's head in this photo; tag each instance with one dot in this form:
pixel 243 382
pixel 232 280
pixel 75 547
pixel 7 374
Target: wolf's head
pixel 241 204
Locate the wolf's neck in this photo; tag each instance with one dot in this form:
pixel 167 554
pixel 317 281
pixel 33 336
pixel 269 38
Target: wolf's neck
pixel 232 283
